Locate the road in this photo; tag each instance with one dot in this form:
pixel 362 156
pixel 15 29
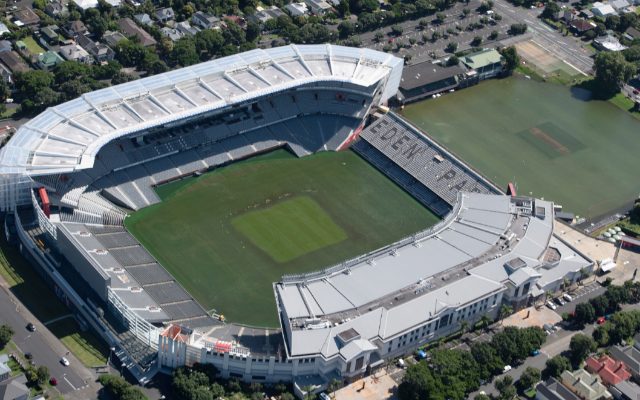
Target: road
pixel 74 381
pixel 566 48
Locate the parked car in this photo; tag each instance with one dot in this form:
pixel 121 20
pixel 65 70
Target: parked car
pixel 559 301
pixel 324 396
pixel 64 361
pixel 551 305
pixel 53 381
pixel 535 352
pixel 31 327
pixel 506 368
pixel 567 297
pixel 601 320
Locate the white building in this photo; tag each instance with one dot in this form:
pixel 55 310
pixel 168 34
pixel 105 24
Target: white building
pixel 297 9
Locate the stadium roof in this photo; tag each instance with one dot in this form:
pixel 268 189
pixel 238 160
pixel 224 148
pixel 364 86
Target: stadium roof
pixel 68 136
pixel 469 256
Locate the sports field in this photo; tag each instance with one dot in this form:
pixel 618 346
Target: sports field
pixel 227 235
pixel 552 142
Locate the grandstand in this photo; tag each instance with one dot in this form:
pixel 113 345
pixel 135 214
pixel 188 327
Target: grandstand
pixel 70 176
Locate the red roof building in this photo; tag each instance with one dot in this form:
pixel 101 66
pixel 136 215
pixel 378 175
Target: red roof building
pixel 610 371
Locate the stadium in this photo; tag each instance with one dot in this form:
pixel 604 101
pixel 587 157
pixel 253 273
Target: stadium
pixel 71 176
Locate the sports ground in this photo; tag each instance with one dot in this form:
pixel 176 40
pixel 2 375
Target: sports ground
pixel 552 142
pixel 228 234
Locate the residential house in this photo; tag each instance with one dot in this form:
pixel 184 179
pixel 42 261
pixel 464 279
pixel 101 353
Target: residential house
pixel 318 7
pixel 143 19
pixel 76 28
pixel 165 14
pixel 486 63
pixel 14 389
pixel 266 14
pixel 602 9
pixel 5 371
pixel 297 9
pixel 554 390
pixel 27 17
pixel 631 33
pixel 111 38
pixel 186 29
pixel 206 21
pixel 610 371
pixel 5 45
pixel 114 3
pixel 50 34
pixel 171 33
pixel 625 390
pixel 129 28
pixel 56 9
pixel 585 385
pixel 608 43
pixel 569 15
pixel 49 60
pixel 586 14
pixel 240 21
pixel 86 4
pixel 99 51
pixel 3 29
pixel 13 62
pixel 580 26
pixel 629 355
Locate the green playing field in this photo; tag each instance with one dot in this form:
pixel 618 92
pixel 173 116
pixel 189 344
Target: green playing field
pixel 227 235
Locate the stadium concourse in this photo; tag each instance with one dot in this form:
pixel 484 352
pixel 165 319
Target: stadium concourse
pixel 70 176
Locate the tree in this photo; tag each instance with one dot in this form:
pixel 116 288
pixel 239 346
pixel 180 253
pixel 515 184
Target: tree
pixel 601 334
pixel 418 383
pixel 476 41
pixel 505 311
pixel 612 22
pixel 493 35
pixel 557 365
pixel 489 363
pixel 333 386
pixel 345 29
pixel 551 11
pixel 585 313
pixel 6 333
pixel 466 12
pixel 120 389
pixel 530 376
pixel 379 36
pixel 580 347
pixel 396 30
pixel 184 52
pixel 517 29
pixel 451 47
pixel 612 70
pixel 481 396
pixel 505 386
pixel 42 375
pixel 440 17
pixel 209 43
pixel 453 60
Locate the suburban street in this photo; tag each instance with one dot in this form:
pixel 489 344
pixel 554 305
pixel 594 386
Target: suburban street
pixel 74 381
pixel 566 48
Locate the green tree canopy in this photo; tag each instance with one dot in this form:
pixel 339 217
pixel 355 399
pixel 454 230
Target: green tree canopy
pixel 557 365
pixel 612 70
pixel 580 347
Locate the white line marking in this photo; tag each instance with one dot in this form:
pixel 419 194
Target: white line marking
pixel 70 384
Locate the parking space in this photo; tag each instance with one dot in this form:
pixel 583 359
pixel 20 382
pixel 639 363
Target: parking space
pixel 581 295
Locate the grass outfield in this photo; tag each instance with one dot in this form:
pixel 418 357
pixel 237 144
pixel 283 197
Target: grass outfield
pixel 551 141
pixel 227 235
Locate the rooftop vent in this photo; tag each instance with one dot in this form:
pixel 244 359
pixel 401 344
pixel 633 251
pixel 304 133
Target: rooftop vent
pixel 101 252
pixel 84 233
pixel 136 289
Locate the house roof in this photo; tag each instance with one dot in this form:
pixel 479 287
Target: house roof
pixel 584 384
pixel 554 390
pixel 131 29
pixel 113 37
pixel 628 389
pixel 26 16
pixel 86 4
pixel 482 58
pixel 632 33
pixel 610 371
pixel 3 29
pixel 5 45
pixel 49 58
pixel 13 389
pixel 13 61
pixel 602 9
pixel 582 24
pixel 77 27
